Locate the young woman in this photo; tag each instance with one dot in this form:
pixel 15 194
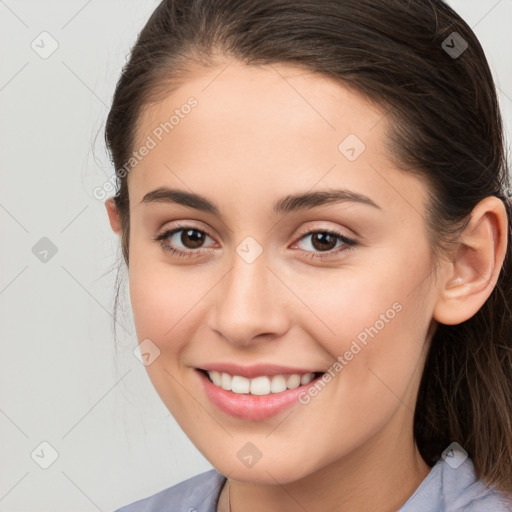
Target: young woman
pixel 314 207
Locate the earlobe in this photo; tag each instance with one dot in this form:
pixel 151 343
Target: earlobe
pixel 473 273
pixel 113 215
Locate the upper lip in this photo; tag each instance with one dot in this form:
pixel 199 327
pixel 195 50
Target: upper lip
pixel 256 370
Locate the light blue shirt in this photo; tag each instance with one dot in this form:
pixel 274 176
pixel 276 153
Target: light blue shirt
pixel 445 489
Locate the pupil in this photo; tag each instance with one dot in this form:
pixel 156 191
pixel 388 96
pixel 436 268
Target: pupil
pixel 321 241
pixel 196 240
pixel 326 240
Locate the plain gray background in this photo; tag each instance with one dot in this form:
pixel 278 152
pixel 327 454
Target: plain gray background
pixel 61 381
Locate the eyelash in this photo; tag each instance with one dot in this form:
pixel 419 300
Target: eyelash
pixel 349 243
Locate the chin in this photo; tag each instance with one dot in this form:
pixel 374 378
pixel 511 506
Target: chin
pixel 269 472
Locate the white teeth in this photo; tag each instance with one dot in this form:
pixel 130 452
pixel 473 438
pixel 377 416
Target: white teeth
pixel 215 376
pixel 240 384
pixel 259 385
pixel 306 379
pixel 293 381
pixel 278 384
pixel 225 381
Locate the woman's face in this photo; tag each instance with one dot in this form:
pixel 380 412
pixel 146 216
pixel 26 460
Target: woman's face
pixel 329 282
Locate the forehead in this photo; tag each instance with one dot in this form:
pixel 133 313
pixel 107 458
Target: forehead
pixel 278 97
pixel 262 128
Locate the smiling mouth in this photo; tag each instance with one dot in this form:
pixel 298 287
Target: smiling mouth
pixel 262 385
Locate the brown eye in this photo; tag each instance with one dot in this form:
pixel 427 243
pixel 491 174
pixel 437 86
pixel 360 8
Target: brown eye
pixel 183 240
pixel 326 241
pixel 191 238
pixel 322 241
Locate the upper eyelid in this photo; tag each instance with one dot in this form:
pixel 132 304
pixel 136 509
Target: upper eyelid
pixel 299 236
pixel 301 232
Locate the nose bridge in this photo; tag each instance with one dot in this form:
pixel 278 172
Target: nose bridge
pixel 247 302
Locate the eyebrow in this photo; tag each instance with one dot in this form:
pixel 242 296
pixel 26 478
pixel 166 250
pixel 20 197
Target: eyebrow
pixel 287 204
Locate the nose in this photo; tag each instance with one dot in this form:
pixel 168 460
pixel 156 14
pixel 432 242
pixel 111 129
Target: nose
pixel 249 304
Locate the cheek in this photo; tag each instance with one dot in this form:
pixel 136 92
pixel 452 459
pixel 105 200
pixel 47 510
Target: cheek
pixel 373 319
pixel 374 329
pixel 166 306
pixel 164 299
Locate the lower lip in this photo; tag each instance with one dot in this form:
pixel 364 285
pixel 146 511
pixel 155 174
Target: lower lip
pixel 252 407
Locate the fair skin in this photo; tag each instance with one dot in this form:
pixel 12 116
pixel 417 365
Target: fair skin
pixel 257 135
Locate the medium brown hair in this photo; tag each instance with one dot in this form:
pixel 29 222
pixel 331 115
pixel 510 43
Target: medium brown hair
pixel 445 126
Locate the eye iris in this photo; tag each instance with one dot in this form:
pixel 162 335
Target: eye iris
pixel 196 240
pixel 323 238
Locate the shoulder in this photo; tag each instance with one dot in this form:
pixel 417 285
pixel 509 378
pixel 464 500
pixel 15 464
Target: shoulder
pixel 197 494
pixel 454 490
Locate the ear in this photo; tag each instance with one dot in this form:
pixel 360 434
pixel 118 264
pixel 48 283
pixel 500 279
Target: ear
pixel 113 215
pixel 472 275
